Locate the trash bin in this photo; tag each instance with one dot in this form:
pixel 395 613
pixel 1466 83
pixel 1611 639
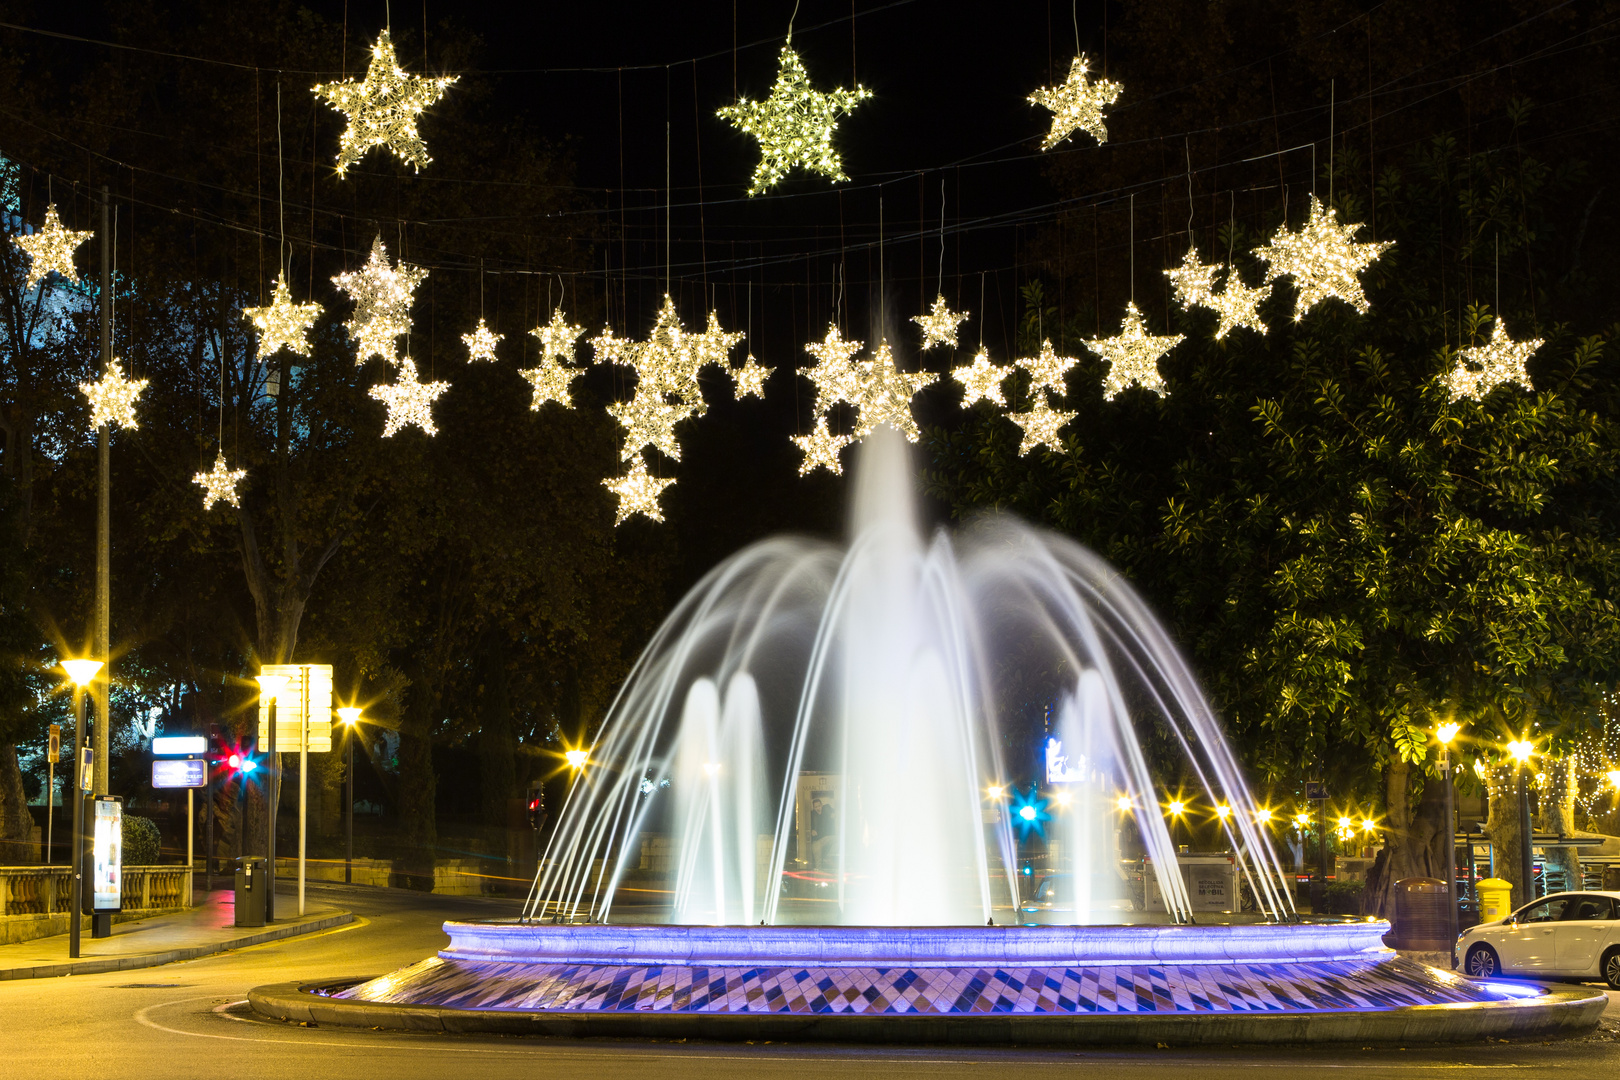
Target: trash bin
pixel 1421 918
pixel 251 888
pixel 1611 878
pixel 1495 898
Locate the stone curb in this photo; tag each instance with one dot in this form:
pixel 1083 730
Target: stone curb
pixel 1562 1013
pixel 144 960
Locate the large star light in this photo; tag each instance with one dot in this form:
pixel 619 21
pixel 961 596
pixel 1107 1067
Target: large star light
pixel 481 342
pixel 409 399
pixel 382 109
pixel 750 378
pixel 283 324
pixel 638 492
pixel 1076 105
pixel 794 125
pixel 883 394
pixel 821 448
pixel 382 302
pixel 112 400
pixel 981 381
pixel 219 485
pixel 1501 360
pixel 1041 426
pixel 1323 258
pixel 1133 355
pixel 939 325
pixel 51 247
pixel 834 371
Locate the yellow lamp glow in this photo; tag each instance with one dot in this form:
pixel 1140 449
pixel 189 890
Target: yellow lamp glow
pixel 349 715
pixel 1124 804
pixel 577 758
pixel 1061 798
pixel 995 791
pixel 1345 823
pixel 1614 778
pixel 1446 732
pixel 1303 820
pixel 1176 807
pixel 1479 768
pixel 1369 825
pixel 81 671
pixel 271 686
pixel 1263 816
pixel 711 769
pixel 1223 811
pixel 1521 749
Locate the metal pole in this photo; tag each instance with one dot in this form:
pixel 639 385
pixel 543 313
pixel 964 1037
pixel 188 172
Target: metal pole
pixel 77 863
pixel 103 643
pixel 303 784
pixel 1319 892
pixel 1451 852
pixel 208 839
pixel 348 826
pixel 50 811
pixel 1527 866
pixel 272 795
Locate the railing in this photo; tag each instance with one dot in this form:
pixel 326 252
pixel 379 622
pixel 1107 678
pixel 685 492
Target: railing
pixel 46 890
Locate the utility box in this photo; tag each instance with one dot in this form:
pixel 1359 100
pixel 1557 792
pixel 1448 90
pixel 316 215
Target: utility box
pixel 252 886
pixel 1495 899
pixel 1211 881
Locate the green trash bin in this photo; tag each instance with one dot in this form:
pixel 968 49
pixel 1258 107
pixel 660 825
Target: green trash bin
pixel 251 889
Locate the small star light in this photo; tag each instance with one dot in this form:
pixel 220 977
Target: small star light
pixel 821 448
pixel 1323 258
pixel 1046 371
pixel 1502 360
pixel 551 381
pixel 1193 281
pixel 939 325
pixel 112 400
pixel 834 371
pixel 750 378
pixel 1238 305
pixel 382 109
pixel 981 380
pixel 1076 105
pixel 638 493
pixel 283 323
pixel 51 248
pixel 1041 426
pixel 1133 355
pixel 481 342
pixel 557 338
pixel 883 395
pixel 220 484
pixel 382 302
pixel 409 399
pixel 794 125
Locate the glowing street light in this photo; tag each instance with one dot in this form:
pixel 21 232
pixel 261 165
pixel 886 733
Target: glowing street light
pixel 349 717
pixel 1124 804
pixel 1446 732
pixel 81 672
pixel 1521 749
pixel 1263 815
pixel 271 686
pixel 1223 811
pixel 1369 825
pixel 1061 797
pixel 1346 824
pixel 1027 812
pixel 995 791
pixel 1176 808
pixel 1614 779
pixel 577 758
pixel 1302 820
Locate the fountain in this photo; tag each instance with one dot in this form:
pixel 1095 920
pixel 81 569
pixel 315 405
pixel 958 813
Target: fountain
pixel 692 886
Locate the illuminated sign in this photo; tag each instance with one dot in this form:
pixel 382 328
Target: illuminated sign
pixel 308 693
pixel 107 855
pixel 179 745
pixel 1059 769
pixel 186 773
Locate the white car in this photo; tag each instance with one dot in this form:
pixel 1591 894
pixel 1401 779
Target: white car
pixel 1572 935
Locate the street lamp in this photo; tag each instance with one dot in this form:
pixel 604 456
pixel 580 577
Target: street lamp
pixel 1521 750
pixel 1175 808
pixel 1443 735
pixel 577 759
pixel 270 687
pixel 349 716
pixel 1124 804
pixel 81 672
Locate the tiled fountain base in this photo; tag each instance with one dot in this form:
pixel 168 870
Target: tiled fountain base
pixel 1383 982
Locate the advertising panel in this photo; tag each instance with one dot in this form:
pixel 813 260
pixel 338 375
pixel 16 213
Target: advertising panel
pixel 107 854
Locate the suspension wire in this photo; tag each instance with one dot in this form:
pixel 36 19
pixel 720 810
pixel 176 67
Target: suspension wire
pixel 942 236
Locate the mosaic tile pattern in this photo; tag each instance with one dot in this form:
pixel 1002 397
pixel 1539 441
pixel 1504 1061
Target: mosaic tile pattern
pixel 1387 982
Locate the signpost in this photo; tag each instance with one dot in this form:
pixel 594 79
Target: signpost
pixel 190 773
pixel 306 701
pixel 53 754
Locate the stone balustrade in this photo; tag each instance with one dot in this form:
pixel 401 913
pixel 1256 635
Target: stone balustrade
pixel 48 890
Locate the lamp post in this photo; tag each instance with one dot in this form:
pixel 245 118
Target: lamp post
pixel 349 717
pixel 270 686
pixel 1521 749
pixel 1443 735
pixel 81 672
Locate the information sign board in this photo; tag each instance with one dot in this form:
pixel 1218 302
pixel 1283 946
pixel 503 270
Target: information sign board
pixel 182 773
pixel 290 706
pixel 107 854
pixel 179 745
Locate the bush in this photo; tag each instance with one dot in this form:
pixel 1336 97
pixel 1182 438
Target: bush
pixel 1342 898
pixel 141 841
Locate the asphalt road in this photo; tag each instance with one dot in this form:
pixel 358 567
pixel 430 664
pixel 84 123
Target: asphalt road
pixel 188 1020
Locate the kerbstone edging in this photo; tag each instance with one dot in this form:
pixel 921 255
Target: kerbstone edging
pixel 97 965
pixel 1563 1012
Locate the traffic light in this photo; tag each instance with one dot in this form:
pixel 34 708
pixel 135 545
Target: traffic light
pixel 537 805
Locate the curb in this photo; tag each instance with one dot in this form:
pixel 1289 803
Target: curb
pixel 145 960
pixel 1560 1013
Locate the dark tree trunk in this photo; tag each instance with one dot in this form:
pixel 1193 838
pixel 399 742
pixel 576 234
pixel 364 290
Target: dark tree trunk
pixel 1503 828
pixel 497 745
pixel 16 823
pixel 1415 838
pixel 417 786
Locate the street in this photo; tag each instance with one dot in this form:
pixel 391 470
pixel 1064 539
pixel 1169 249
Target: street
pixel 189 1020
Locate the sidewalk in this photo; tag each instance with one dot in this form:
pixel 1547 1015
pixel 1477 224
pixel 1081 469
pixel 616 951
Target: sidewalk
pixel 164 939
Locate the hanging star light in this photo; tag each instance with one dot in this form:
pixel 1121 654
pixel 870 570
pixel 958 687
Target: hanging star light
pixel 382 108
pixel 382 302
pixel 794 125
pixel 939 325
pixel 883 394
pixel 750 378
pixel 1047 371
pixel 1238 305
pixel 1076 105
pixel 638 492
pixel 834 371
pixel 821 449
pixel 409 399
pixel 1502 360
pixel 112 400
pixel 550 379
pixel 283 323
pixel 981 381
pixel 1041 426
pixel 481 342
pixel 1193 281
pixel 51 247
pixel 1323 258
pixel 1133 355
pixel 648 420
pixel 557 337
pixel 220 484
